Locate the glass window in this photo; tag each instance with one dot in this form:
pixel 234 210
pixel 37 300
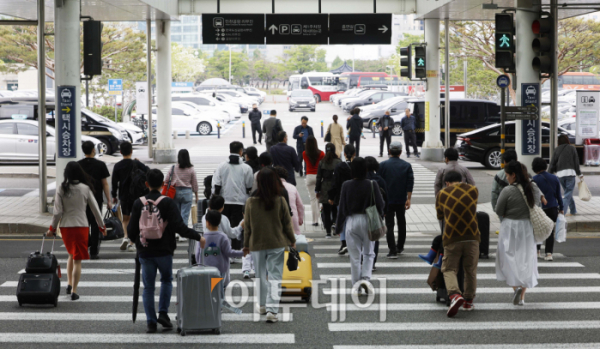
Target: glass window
pixel 387 95
pixel 304 82
pixel 567 80
pixel 175 29
pixel 176 38
pixel 510 130
pixel 190 29
pixel 589 80
pixel 177 111
pixel 27 129
pixel 473 111
pixel 316 81
pixel 189 38
pixel 493 110
pixel 6 128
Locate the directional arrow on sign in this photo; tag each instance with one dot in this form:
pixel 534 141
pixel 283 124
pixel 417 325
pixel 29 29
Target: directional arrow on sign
pixel 383 29
pixel 67 109
pixel 273 29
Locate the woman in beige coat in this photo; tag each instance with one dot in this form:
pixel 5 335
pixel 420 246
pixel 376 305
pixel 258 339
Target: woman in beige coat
pixel 337 136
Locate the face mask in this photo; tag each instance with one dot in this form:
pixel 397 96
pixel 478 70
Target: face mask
pixel 255 109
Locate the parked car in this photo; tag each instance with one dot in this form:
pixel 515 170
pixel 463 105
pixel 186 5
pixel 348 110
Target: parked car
pixel 253 91
pixel 211 112
pixel 371 97
pixel 372 113
pixel 136 134
pixel 183 120
pixel 353 93
pixel 302 99
pixel 244 105
pixel 570 125
pixel 204 100
pixel 242 96
pixel 334 99
pixel 19 142
pixel 483 144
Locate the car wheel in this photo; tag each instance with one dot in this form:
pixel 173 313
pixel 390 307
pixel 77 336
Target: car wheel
pixel 204 128
pixel 318 98
pixel 312 110
pixel 493 159
pixel 397 130
pixel 291 110
pixel 106 147
pixel 373 127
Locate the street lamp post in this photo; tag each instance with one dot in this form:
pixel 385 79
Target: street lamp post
pixel 229 63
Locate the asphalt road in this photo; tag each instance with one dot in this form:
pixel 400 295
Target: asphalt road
pixel 562 312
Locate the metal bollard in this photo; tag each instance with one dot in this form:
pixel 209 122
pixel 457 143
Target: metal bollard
pixel 174 134
pixel 218 130
pixel 243 129
pixel 374 128
pixel 321 128
pixel 187 134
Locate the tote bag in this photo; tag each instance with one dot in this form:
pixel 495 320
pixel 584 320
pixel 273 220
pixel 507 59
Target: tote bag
pixel 542 224
pixel 377 228
pixel 168 189
pixel 584 192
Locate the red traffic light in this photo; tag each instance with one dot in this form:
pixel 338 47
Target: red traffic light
pixel 535 26
pixel 542 25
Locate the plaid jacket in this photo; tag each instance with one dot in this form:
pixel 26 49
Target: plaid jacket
pixel 457 206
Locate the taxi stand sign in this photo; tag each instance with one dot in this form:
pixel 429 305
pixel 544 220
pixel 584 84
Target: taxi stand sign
pixel 530 129
pixel 588 112
pixel 66 127
pixel 115 87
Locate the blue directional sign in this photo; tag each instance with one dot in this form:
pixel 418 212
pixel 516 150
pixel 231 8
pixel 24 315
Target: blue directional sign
pixel 65 124
pixel 266 112
pixel 115 86
pixel 503 81
pixel 530 131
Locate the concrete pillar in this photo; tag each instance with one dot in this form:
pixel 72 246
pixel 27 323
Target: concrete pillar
pixel 432 149
pixel 164 151
pixel 525 73
pixel 67 49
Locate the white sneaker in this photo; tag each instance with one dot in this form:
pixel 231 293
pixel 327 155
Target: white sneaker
pixel 548 258
pixel 131 248
pixel 272 318
pixel 261 310
pixel 517 296
pixel 540 255
pixel 522 302
pixel 253 272
pixel 367 287
pixel 246 274
pixel 124 244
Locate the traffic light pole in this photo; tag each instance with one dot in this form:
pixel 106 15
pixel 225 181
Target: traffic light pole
pixel 447 83
pixel 502 123
pixel 554 80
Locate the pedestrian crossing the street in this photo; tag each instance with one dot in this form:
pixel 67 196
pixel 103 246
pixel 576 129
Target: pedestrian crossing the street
pixel 202 171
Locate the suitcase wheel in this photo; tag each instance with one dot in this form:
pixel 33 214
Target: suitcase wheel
pixel 217 331
pixel 182 333
pixel 437 299
pixel 56 302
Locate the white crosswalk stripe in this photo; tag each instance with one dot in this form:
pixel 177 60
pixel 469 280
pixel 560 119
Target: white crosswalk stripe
pixel 129 338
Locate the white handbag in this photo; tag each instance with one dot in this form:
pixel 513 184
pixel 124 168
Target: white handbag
pixel 542 224
pixel 584 192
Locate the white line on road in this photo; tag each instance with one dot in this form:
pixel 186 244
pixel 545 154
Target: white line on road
pixel 423 247
pixel 482 290
pixel 409 277
pixel 472 326
pixel 245 317
pixel 477 346
pixel 89 271
pixel 425 265
pixel 119 284
pixel 479 306
pixel 130 338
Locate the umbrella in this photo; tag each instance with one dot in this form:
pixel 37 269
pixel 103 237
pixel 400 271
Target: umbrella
pixel 136 287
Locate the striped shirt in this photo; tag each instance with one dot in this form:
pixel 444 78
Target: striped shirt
pixel 184 177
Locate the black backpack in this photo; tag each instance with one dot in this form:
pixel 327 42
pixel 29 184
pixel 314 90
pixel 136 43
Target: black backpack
pixel 136 181
pixel 275 131
pixel 208 186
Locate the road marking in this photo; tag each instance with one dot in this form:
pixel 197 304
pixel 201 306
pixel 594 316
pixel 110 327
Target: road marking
pixel 472 326
pixel 425 265
pixel 120 261
pixel 478 306
pixel 245 317
pixel 90 271
pixel 408 240
pixel 119 284
pixel 130 338
pixel 409 277
pixel 482 290
pixel 411 247
pixel 477 346
pixel 408 254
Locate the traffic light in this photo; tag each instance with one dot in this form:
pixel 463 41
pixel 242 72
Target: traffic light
pixel 92 48
pixel 543 45
pixel 505 41
pixel 420 62
pixel 406 62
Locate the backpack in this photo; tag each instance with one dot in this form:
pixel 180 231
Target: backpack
pixel 136 181
pixel 208 186
pixel 275 131
pixel 152 226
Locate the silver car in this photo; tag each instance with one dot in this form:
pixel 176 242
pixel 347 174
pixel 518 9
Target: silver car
pixel 19 141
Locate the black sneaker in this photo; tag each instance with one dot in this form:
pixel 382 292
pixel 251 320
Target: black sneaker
pixel 94 257
pixel 74 296
pixel 407 155
pixel 392 255
pixel 328 236
pixel 400 250
pixel 374 269
pixel 343 250
pixel 164 320
pixel 418 156
pixel 151 328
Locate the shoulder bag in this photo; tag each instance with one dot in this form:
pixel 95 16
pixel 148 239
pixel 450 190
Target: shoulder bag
pixel 377 228
pixel 328 135
pixel 168 189
pixel 542 224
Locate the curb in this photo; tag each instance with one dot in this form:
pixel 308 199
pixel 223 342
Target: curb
pixel 22 229
pixel 22 175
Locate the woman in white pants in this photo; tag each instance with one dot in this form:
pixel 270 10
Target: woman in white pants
pixel 356 196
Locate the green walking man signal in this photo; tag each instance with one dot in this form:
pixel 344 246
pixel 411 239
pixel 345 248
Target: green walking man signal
pixel 504 41
pixel 421 62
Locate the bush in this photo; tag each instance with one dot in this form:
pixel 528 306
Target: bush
pixel 275 91
pixel 108 112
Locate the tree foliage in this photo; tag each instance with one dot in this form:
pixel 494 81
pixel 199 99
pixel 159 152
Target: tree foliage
pixel 304 58
pixel 218 65
pixel 186 63
pixel 337 62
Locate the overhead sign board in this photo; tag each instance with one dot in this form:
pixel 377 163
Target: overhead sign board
pixel 283 29
pixel 367 29
pixel 219 28
pixel 530 129
pixel 115 87
pixel 588 112
pixel 65 126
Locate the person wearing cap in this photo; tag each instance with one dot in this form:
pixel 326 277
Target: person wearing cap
pixel 399 179
pixel 409 126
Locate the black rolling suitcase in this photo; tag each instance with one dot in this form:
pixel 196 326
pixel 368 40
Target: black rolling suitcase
pixel 483 221
pixel 440 284
pixel 41 282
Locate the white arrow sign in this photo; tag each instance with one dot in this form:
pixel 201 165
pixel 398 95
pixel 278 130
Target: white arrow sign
pixel 273 29
pixel 384 29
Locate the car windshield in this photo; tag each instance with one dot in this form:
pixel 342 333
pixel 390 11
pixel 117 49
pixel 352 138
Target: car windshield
pixel 302 93
pixel 96 117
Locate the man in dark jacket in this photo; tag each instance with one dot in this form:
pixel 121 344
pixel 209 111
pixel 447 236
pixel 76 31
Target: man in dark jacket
pixel 400 180
pixel 355 125
pixel 267 128
pixel 301 134
pixel 286 157
pixel 158 254
pixel 385 125
pixel 341 174
pixel 409 127
pixel 255 115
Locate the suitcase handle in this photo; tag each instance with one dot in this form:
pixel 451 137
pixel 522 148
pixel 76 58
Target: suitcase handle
pixel 43 240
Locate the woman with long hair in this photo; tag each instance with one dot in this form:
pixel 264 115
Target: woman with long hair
pixel 312 157
pixel 295 201
pixel 338 138
pixel 324 182
pixel 73 196
pixel 516 260
pixel 565 165
pixel 185 182
pixel 267 232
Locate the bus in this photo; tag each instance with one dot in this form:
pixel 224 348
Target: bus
pixel 352 80
pixel 576 81
pixel 322 85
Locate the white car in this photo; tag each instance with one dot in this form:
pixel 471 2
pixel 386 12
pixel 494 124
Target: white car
pixel 213 112
pixel 205 100
pixel 19 141
pixel 136 134
pixel 569 124
pixel 254 90
pixel 183 120
pixel 238 96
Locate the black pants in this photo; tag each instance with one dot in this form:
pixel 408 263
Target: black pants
pixel 385 136
pixel 329 217
pixel 395 211
pixel 94 239
pixel 355 141
pixel 256 128
pixel 410 137
pixel 437 244
pixel 299 151
pixel 553 214
pixel 235 213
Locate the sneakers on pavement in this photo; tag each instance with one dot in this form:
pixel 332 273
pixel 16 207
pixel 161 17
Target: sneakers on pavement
pixel 328 236
pixel 131 248
pixel 367 287
pixel 152 328
pixel 163 319
pixel 272 318
pixel 246 274
pixel 261 310
pixel 392 255
pixel 343 250
pixel 517 295
pixel 548 258
pixel 522 302
pixel 456 302
pixel 468 306
pixel 124 244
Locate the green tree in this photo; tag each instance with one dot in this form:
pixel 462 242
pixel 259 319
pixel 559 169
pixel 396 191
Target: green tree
pixel 266 71
pixel 304 58
pixel 219 65
pixel 186 64
pixel 337 62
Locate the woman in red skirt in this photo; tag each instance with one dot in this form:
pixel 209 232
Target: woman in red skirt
pixel 72 197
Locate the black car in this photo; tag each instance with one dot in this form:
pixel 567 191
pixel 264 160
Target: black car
pixel 372 113
pixel 483 145
pixel 371 97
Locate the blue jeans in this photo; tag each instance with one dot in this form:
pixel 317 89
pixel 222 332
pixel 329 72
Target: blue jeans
pixel 149 266
pixel 271 262
pixel 343 232
pixel 183 199
pixel 568 185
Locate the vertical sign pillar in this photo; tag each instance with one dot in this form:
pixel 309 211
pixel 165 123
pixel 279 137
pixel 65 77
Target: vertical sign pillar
pixel 67 48
pixel 164 151
pixel 150 130
pixel 41 40
pixel 433 149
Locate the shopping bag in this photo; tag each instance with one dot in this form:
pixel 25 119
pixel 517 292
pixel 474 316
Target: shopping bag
pixel 584 192
pixel 561 228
